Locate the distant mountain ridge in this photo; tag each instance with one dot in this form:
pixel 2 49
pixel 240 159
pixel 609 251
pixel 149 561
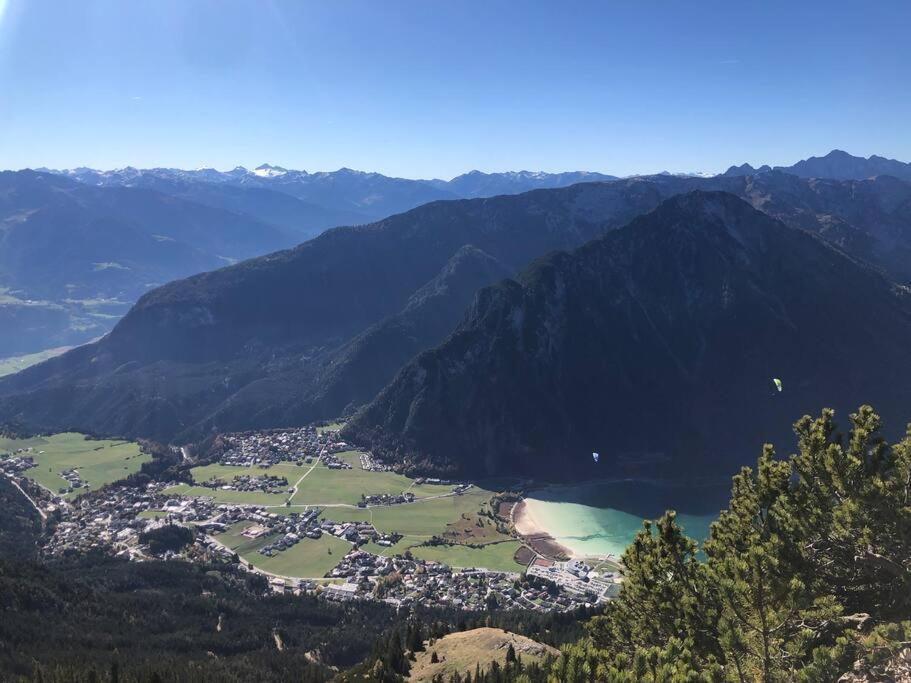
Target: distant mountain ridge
pixel 836 165
pixel 367 195
pixel 74 257
pixel 661 337
pixel 286 338
pixel 78 247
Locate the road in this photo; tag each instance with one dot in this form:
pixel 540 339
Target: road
pixel 28 497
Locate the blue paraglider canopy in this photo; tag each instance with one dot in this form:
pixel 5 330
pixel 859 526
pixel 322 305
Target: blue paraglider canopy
pixel 595 457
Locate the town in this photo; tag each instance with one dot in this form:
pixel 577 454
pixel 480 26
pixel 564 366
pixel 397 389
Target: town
pixel 362 560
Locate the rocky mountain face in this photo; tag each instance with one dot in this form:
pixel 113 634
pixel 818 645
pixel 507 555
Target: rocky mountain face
pixel 660 339
pixel 746 169
pixel 363 366
pixel 869 219
pixel 839 165
pixel 78 247
pixel 289 337
pixel 242 345
pixel 836 165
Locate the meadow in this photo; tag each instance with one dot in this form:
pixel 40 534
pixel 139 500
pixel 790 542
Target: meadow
pixel 434 513
pixel 98 462
pixel 310 558
pixel 421 519
pixel 219 496
pixel 324 486
pixel 494 556
pixel 321 486
pixel 14 364
pixel 331 427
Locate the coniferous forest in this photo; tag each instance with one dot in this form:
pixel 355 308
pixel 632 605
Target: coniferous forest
pixel 805 576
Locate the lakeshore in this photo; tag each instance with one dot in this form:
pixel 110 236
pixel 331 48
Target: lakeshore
pixel 601 519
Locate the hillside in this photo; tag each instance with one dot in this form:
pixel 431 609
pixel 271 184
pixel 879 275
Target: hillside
pixel 662 338
pixel 73 257
pixel 839 165
pixel 245 341
pixel 363 366
pixel 836 165
pixel 287 338
pixel 463 651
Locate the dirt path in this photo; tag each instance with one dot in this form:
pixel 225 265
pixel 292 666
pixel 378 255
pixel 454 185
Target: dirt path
pixel 303 476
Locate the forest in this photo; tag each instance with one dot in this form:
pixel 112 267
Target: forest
pixel 805 576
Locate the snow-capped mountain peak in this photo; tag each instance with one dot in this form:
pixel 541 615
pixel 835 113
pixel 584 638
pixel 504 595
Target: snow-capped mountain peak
pixel 269 171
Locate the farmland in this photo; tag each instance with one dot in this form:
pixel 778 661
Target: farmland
pixel 459 519
pixel 494 556
pixel 324 486
pixel 314 513
pixel 310 558
pixel 14 364
pixel 321 486
pixel 98 462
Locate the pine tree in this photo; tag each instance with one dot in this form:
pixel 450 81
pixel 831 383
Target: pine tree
pixel 808 549
pixel 665 593
pixel 768 613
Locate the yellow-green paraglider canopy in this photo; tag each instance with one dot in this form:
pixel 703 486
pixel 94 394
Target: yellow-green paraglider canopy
pixel 777 383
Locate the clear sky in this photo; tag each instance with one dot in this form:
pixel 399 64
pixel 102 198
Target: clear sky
pixel 433 88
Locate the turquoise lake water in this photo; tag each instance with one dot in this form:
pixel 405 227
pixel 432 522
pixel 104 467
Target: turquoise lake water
pixel 602 518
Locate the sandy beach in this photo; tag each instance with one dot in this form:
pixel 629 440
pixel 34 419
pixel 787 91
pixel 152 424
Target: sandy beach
pixel 535 534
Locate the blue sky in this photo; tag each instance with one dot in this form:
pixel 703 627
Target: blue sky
pixel 432 89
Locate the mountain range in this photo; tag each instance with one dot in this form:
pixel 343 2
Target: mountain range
pixel 330 198
pixel 318 330
pixel 78 247
pixel 662 339
pixel 74 257
pixel 836 165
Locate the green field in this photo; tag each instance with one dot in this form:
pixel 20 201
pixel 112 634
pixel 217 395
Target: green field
pixel 420 519
pixel 288 470
pixel 13 364
pixel 494 556
pixel 322 486
pixel 98 462
pixel 311 558
pixel 219 496
pixel 338 492
pixel 331 427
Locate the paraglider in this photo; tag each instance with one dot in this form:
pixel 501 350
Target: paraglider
pixel 777 383
pixel 595 457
